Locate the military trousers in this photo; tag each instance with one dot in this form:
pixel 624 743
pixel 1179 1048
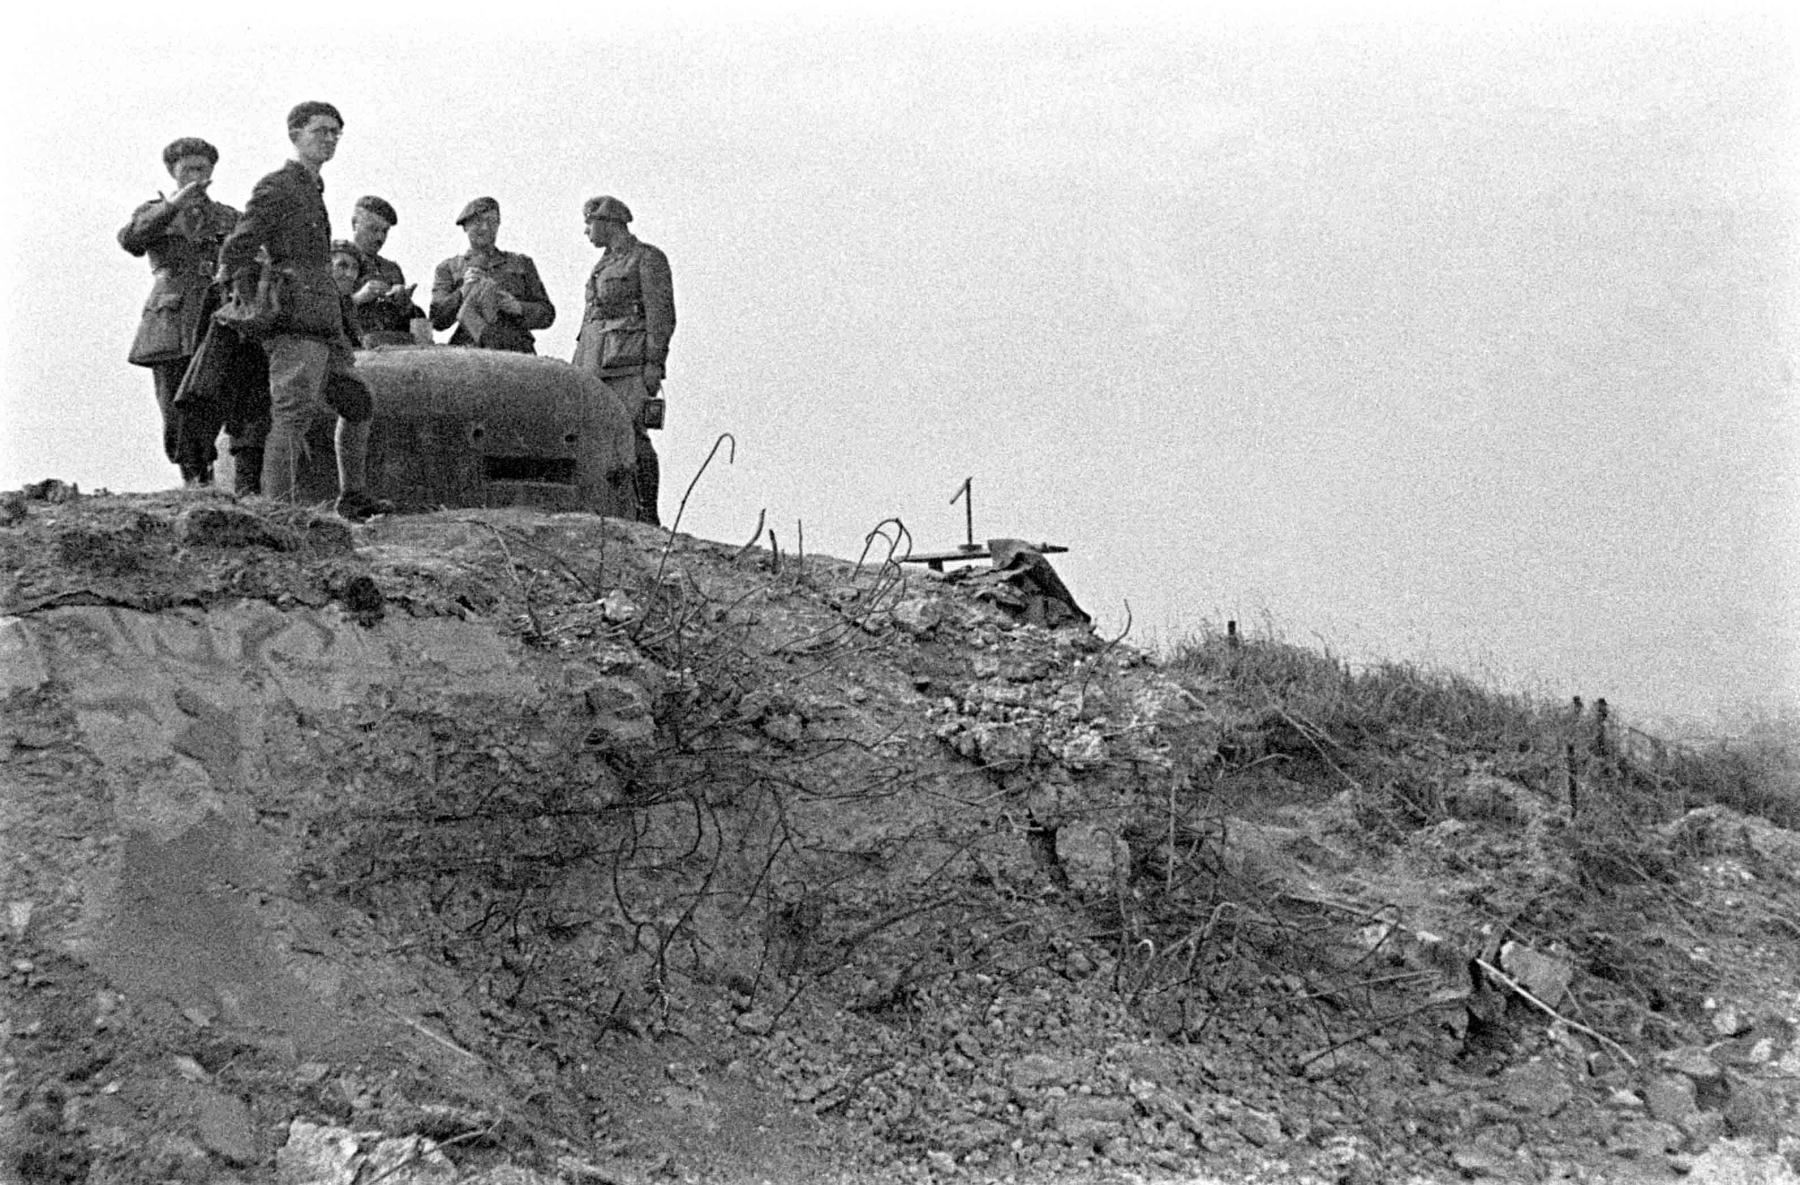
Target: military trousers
pixel 308 377
pixel 632 394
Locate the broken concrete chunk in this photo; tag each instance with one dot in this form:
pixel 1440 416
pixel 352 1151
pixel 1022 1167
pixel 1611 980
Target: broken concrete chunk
pixel 1536 1088
pixel 917 615
pixel 615 606
pixel 1741 1162
pixel 226 1128
pixel 1544 976
pixel 409 1160
pixel 1670 1098
pixel 317 1154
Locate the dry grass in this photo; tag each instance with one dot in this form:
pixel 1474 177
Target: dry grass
pixel 1598 762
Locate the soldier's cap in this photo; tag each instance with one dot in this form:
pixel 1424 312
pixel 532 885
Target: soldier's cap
pixel 481 205
pixel 188 146
pixel 380 208
pixel 606 206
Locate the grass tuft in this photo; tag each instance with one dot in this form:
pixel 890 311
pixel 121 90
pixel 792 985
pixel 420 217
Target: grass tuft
pixel 1578 751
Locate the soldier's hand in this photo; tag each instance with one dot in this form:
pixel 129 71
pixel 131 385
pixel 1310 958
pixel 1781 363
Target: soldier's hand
pixel 373 290
pixel 653 377
pixel 472 274
pixel 508 303
pixel 189 194
pixel 400 295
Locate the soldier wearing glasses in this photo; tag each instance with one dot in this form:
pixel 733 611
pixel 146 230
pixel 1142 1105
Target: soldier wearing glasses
pixel 311 366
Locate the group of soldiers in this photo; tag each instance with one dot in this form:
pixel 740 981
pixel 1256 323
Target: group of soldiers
pixel 319 298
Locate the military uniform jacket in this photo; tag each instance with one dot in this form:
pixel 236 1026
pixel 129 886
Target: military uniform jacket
pixel 517 276
pixel 286 215
pixel 383 315
pixel 183 247
pixel 630 312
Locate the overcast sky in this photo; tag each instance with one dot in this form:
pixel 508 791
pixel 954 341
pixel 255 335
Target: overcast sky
pixel 1468 339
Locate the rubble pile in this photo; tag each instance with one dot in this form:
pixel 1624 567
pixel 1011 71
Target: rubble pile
pixel 510 847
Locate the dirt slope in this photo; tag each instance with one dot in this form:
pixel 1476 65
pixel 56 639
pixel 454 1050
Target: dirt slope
pixel 507 847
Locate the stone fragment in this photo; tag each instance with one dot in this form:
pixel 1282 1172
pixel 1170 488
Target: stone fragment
pixel 918 615
pixel 226 1129
pixel 408 1160
pixel 1037 1070
pixel 756 1022
pixel 1753 1108
pixel 362 597
pixel 1729 1022
pixel 786 729
pixel 1258 1127
pixel 1669 1098
pixel 1741 1162
pixel 621 711
pixel 1646 1138
pixel 1692 1062
pixel 618 608
pixel 317 1154
pixel 1702 1128
pixel 1083 751
pixel 1536 1088
pixel 1002 746
pixel 1483 1158
pixel 1543 975
pixel 1091 854
pixel 1084 1133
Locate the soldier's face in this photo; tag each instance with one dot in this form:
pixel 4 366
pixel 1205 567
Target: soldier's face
pixel 482 229
pixel 317 142
pixel 369 229
pixel 343 272
pixel 190 169
pixel 600 230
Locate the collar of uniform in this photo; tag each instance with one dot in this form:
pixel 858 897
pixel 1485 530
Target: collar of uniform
pixel 627 247
pixel 318 179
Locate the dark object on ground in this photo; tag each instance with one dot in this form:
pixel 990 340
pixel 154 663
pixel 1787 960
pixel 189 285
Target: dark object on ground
pixel 360 506
pixel 1037 591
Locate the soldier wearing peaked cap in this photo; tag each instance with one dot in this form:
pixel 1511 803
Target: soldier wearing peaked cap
pixel 626 326
pixel 494 298
pixel 181 235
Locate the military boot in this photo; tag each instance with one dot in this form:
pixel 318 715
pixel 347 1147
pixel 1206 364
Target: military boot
pixel 248 463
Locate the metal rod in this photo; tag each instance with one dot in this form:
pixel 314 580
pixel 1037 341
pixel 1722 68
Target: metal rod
pixel 966 491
